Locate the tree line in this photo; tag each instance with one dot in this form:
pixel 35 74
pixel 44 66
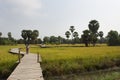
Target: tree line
pixel 89 36
pixel 7 40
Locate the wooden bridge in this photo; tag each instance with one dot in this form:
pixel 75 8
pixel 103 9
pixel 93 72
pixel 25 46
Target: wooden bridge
pixel 27 69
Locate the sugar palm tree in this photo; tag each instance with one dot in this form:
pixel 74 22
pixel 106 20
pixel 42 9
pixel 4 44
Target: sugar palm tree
pixel 9 35
pixel 67 33
pixel 86 37
pixel 93 27
pixel 76 39
pixel 72 30
pixel 101 35
pixel 75 34
pixel 0 34
pixel 27 36
pixel 24 34
pixel 34 36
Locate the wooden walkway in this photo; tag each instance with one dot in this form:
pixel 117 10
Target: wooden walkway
pixel 27 69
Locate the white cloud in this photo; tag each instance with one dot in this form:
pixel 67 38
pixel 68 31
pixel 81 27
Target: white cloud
pixel 24 7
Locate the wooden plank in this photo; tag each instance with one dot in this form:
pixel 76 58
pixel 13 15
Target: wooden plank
pixel 28 69
pixel 16 51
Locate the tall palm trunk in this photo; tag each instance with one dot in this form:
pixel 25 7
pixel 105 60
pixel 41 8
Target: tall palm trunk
pixel 27 48
pixel 72 38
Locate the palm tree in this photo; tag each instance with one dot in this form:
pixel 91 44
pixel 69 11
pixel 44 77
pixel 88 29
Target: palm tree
pixel 29 35
pixel 67 33
pixel 75 34
pixel 26 35
pixel 34 36
pixel 9 35
pixel 0 34
pixel 101 35
pixel 93 27
pixel 72 30
pixel 86 37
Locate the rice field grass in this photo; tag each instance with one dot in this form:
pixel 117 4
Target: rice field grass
pixel 68 62
pixel 63 60
pixel 7 60
pixel 97 76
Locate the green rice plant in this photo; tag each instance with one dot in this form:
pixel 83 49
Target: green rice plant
pixel 63 60
pixel 95 76
pixel 7 60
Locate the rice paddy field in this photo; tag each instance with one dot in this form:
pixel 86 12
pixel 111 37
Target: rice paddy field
pixel 69 62
pixel 7 61
pixel 76 59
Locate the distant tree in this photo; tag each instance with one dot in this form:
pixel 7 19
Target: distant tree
pixel 9 35
pixel 86 37
pixel 101 36
pixel 46 40
pixel 64 41
pixel 53 40
pixel 67 33
pixel 39 41
pixel 75 34
pixel 0 38
pixel 113 38
pixel 29 35
pixel 12 41
pixel 5 41
pixel 0 34
pixel 76 38
pixel 72 29
pixel 20 41
pixel 59 39
pixel 34 35
pixel 93 27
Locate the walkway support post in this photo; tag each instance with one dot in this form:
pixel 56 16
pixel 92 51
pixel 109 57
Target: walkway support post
pixel 19 55
pixel 38 57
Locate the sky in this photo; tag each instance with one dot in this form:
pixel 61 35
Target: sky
pixel 54 17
